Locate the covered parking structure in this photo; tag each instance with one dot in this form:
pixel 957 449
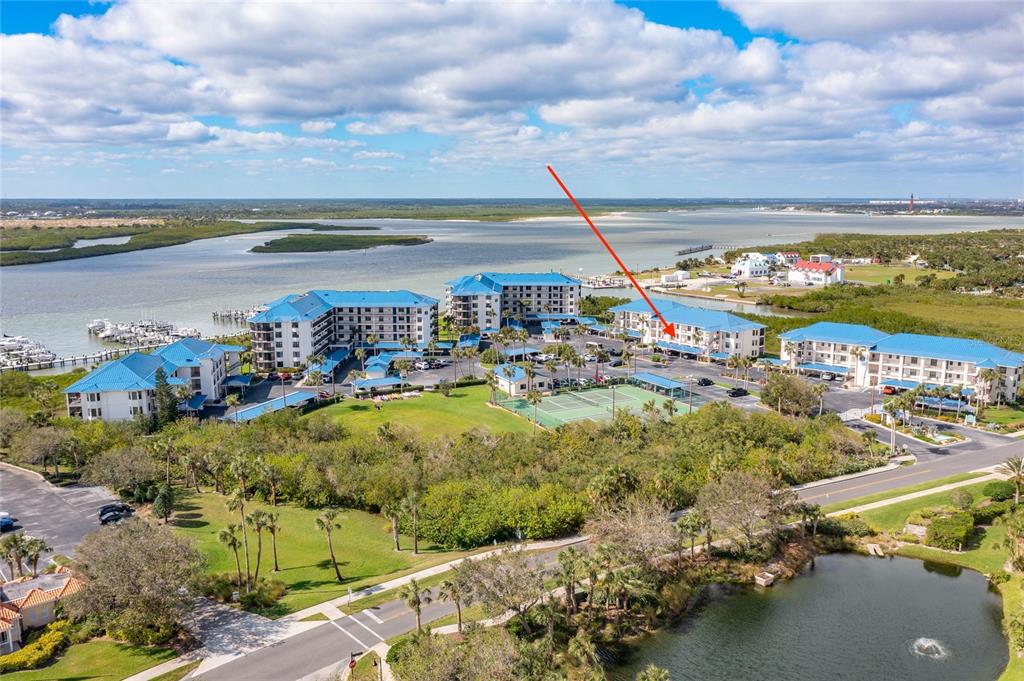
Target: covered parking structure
pixel 372 384
pixel 663 385
pixel 680 348
pixel 818 368
pixel 294 399
pixel 904 384
pixel 332 360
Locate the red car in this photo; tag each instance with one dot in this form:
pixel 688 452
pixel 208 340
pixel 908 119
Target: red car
pixel 888 390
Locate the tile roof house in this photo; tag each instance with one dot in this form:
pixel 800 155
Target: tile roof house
pixel 30 602
pixel 822 273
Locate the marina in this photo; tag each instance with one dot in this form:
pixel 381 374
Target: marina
pixel 149 332
pixel 18 350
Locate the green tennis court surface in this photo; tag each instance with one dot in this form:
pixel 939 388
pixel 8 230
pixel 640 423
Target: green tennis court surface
pixel 595 404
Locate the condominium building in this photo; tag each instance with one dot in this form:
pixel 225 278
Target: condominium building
pixel 488 300
pixel 297 326
pixel 126 387
pixel 869 357
pixel 698 331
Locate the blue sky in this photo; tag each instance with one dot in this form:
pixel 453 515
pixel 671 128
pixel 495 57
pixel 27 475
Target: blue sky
pixel 636 99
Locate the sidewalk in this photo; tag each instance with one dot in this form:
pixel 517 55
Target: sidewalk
pixel 331 608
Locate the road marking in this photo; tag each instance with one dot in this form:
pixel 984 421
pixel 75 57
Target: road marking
pixel 372 616
pixel 869 484
pixel 367 628
pixel 350 635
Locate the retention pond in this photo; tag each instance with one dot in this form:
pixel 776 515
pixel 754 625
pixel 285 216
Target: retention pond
pixel 849 618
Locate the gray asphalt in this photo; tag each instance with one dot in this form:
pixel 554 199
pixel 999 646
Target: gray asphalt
pixel 60 515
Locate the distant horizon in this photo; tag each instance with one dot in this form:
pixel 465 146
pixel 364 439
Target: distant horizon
pixel 817 199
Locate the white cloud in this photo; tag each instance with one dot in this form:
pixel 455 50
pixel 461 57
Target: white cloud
pixel 527 82
pixel 362 155
pixel 316 127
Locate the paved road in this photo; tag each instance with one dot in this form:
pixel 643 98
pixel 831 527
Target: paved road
pixel 60 515
pixel 956 459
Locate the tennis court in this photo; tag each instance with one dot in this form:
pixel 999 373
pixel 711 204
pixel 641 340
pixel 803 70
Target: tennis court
pixel 595 404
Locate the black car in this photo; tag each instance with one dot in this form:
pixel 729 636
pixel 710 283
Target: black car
pixel 705 382
pixel 117 506
pixel 615 352
pixel 737 392
pixel 615 363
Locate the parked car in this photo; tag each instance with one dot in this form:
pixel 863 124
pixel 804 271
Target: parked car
pixel 272 376
pixel 6 521
pixel 116 515
pixel 705 382
pixel 615 363
pixel 888 390
pixel 737 392
pixel 589 358
pixel 117 506
pixel 828 376
pixel 615 352
pixel 284 376
pixel 421 365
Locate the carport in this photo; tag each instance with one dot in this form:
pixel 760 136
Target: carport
pixel 374 383
pixel 662 385
pixel 822 368
pixel 679 347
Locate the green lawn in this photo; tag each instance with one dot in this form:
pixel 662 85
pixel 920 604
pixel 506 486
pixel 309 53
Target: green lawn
pixel 892 494
pixel 1004 415
pixel 362 545
pixel 97 660
pixel 881 274
pixel 894 516
pixel 432 413
pixel 179 673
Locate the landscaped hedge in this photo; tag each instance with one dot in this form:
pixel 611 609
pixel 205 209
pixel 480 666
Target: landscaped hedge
pixel 998 490
pixel 845 527
pixel 950 532
pixel 984 515
pixel 40 651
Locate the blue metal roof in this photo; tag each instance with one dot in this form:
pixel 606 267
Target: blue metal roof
pixel 238 380
pixel 194 403
pixel 656 380
pixel 688 315
pixel 494 282
pixel 817 366
pixel 834 332
pixel 135 371
pixel 469 340
pixel 257 410
pixel 364 383
pixel 516 352
pixel 189 351
pixel 503 372
pixel 679 347
pixel 550 326
pixel 909 385
pixel 331 361
pixel 956 349
pixel 312 304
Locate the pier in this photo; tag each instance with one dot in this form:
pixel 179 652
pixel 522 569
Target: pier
pixel 85 360
pixel 698 249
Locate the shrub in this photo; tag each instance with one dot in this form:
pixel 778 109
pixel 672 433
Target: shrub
pixel 950 532
pixel 873 418
pixel 998 490
pixel 40 651
pixel 984 515
pixel 264 593
pixel 961 498
pixel 909 538
pixel 396 650
pixel 851 526
pixel 492 356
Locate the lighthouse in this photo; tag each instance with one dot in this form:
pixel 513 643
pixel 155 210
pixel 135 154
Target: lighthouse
pixel 911 210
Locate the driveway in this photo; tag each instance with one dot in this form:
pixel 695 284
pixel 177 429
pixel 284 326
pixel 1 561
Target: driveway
pixel 60 515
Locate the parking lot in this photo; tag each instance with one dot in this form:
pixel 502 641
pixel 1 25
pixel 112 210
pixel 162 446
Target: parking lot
pixel 60 515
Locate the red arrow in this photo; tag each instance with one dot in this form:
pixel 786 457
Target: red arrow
pixel 670 329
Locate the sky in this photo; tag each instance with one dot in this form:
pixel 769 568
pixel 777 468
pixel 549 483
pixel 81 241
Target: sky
pixel 139 99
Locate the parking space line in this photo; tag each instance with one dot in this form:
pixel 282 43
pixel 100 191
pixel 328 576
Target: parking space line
pixel 350 635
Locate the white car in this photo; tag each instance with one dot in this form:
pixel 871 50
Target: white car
pixel 421 365
pixel 828 376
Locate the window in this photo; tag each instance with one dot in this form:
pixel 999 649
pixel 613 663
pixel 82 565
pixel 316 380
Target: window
pixel 93 397
pixel 135 395
pixel 95 413
pixel 136 411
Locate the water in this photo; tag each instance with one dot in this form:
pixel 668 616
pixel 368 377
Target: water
pixel 850 619
pixel 52 302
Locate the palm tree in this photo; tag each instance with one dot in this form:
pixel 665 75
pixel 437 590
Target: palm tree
pixel 892 408
pixel 579 363
pixel 626 357
pixel 551 367
pixel 741 286
pixel 569 563
pixel 988 377
pixel 361 356
pixel 411 508
pixel 228 537
pixel 371 340
pixel 232 400
pixel 452 589
pixel 1013 468
pixel 392 508
pixel 34 548
pixel 690 526
pixel 258 520
pixel 273 526
pixel 530 373
pixel 790 349
pixel 327 522
pixel 669 407
pixel 745 362
pixel 415 598
pixel 13 550
pixel 653 673
pixel 958 395
pixel 236 502
pixel 819 390
pixel 533 397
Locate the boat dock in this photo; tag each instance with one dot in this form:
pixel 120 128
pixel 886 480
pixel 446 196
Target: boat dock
pixel 238 316
pixel 85 360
